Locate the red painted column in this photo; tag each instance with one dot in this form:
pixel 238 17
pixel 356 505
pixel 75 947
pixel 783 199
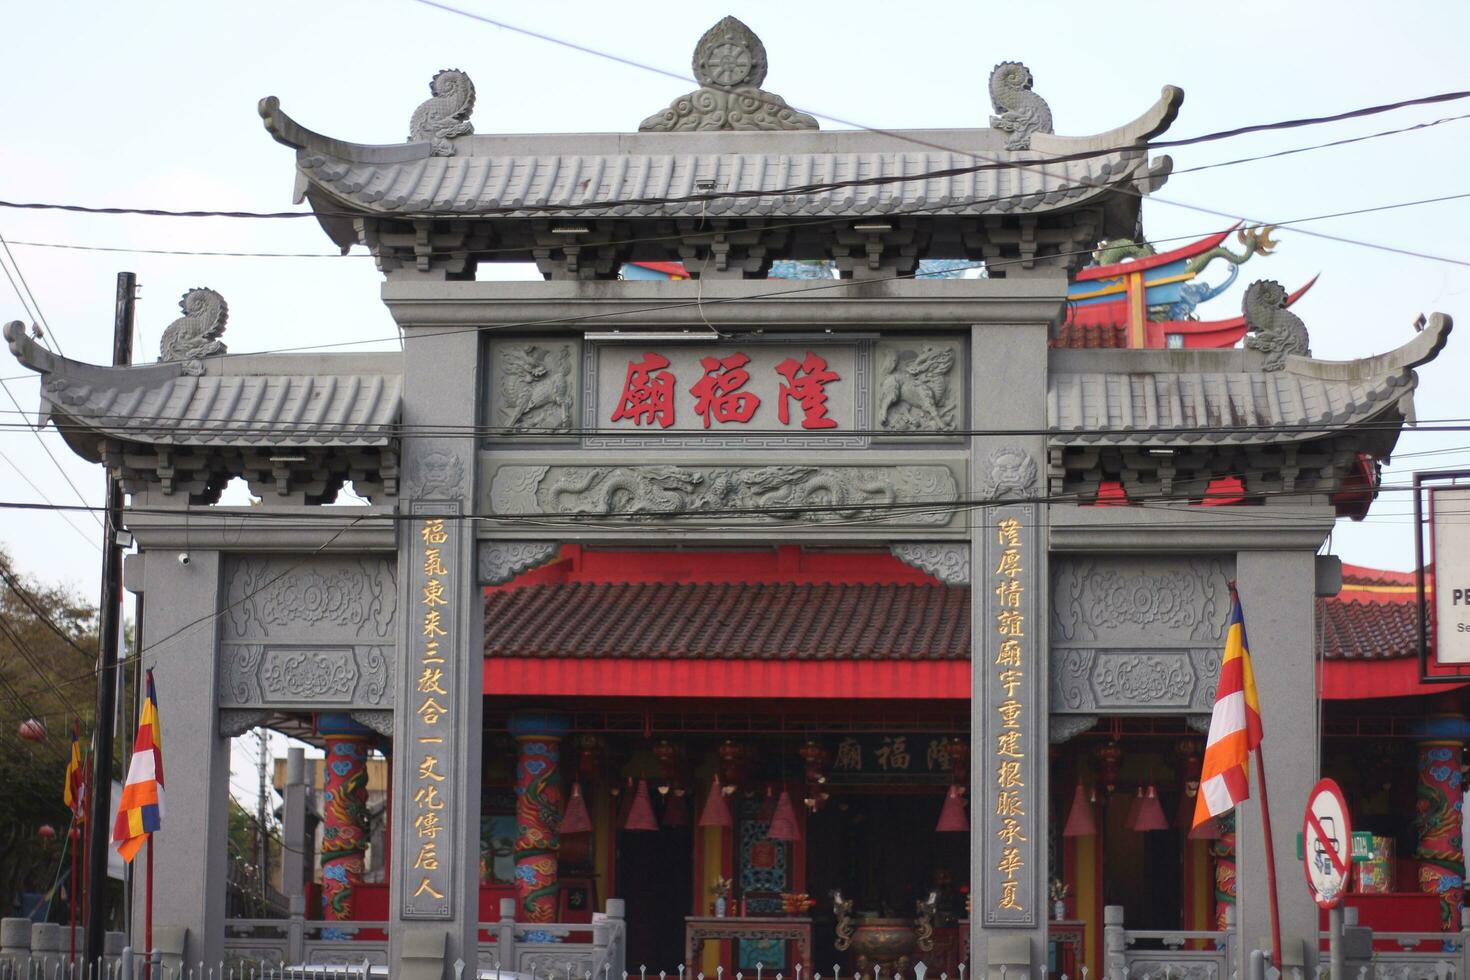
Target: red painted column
pixel 344 813
pixel 538 812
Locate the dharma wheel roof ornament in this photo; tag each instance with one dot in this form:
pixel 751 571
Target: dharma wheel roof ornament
pixel 447 114
pixel 730 65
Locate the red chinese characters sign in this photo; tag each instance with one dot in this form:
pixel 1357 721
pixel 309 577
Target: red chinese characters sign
pixel 728 389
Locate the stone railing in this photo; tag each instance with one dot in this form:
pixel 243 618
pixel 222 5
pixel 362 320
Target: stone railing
pixel 1166 954
pixel 1417 956
pixel 596 948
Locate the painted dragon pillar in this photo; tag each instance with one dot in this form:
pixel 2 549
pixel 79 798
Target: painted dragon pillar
pixel 1222 849
pixel 344 813
pixel 1440 848
pixel 538 812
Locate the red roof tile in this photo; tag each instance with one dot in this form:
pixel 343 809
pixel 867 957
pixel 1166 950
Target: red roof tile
pixel 786 621
pixel 1091 336
pixel 1379 630
pixel 733 621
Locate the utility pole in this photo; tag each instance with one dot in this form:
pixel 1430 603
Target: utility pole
pixel 109 622
pixel 261 811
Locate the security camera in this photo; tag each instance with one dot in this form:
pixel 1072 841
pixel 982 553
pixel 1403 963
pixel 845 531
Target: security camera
pixel 183 558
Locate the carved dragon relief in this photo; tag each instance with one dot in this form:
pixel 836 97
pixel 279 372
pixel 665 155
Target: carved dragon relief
pixel 1271 328
pixel 1021 111
pixel 750 494
pixel 196 334
pixel 445 115
pixel 730 65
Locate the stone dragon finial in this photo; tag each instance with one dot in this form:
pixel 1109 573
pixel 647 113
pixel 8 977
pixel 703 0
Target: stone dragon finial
pixel 195 334
pixel 1022 111
pixel 447 114
pixel 1271 328
pixel 730 65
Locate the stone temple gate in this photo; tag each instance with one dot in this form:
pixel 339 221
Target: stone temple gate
pixel 933 418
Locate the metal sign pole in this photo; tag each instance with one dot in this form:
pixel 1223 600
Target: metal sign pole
pixel 1334 942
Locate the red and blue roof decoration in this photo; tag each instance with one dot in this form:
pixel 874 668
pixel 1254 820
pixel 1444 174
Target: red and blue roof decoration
pixel 1135 297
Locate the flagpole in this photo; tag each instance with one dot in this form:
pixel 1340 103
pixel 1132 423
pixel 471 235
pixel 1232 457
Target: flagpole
pixel 74 837
pixel 148 909
pixel 1270 860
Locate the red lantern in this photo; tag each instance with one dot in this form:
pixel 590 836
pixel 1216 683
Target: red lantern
pixel 576 820
pixel 46 832
pixel 33 730
pixel 640 814
pixel 1150 813
pixel 1081 822
pixel 952 817
pixel 783 821
pixel 716 808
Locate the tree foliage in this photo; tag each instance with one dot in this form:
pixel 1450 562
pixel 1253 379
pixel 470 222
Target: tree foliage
pixel 47 679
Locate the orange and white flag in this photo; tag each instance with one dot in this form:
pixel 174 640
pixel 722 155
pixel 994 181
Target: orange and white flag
pixel 1235 726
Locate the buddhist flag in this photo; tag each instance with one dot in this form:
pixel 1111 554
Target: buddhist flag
pixel 75 790
pixel 1235 726
pixel 140 812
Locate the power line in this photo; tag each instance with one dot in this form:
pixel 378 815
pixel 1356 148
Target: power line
pixel 808 287
pixel 988 163
pixel 207 253
pixel 41 493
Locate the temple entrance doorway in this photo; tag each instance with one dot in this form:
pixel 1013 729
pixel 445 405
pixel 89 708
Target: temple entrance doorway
pixel 655 879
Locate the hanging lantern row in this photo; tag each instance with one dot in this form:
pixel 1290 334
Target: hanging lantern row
pixel 1145 813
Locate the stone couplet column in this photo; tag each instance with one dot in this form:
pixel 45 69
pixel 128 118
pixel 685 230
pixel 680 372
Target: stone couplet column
pixel 180 637
pixel 344 813
pixel 1440 848
pixel 538 812
pixel 1278 597
pixel 1009 713
pixel 438 722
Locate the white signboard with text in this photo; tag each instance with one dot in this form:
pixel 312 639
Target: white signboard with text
pixel 1450 534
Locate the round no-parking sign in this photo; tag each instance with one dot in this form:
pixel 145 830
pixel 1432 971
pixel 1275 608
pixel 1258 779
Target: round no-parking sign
pixel 1327 842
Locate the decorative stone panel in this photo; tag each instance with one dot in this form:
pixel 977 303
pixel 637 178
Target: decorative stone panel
pixel 731 494
pixel 1120 681
pixel 301 634
pixel 1144 602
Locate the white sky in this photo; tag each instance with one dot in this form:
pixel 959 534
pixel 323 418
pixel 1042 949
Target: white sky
pixel 154 105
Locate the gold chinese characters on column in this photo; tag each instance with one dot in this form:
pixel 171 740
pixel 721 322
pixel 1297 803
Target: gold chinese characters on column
pixel 1009 820
pixel 430 755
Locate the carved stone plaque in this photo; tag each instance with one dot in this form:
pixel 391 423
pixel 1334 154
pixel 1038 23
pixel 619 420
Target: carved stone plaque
pixel 1129 680
pixel 302 676
pixel 736 494
pixel 750 393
